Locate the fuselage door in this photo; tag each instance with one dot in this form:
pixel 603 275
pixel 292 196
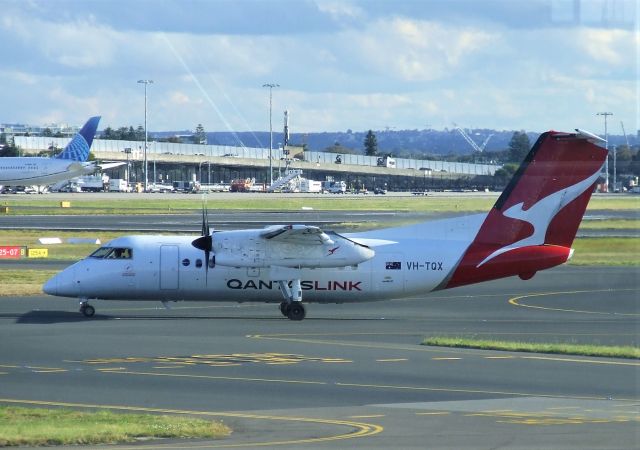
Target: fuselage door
pixel 169 267
pixel 387 273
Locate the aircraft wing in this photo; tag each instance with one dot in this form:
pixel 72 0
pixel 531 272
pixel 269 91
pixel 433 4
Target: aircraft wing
pixel 296 234
pixel 111 165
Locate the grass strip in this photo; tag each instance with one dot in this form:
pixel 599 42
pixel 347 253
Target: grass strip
pixel 606 251
pixel 40 427
pixel 22 282
pixel 611 224
pixel 604 351
pixel 132 204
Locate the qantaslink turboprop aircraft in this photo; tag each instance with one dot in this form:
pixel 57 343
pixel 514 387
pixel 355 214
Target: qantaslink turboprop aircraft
pixel 531 227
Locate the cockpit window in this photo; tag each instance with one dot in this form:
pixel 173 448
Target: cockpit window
pixel 112 253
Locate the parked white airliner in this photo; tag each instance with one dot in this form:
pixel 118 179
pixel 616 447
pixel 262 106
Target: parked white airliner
pixel 70 163
pixel 531 227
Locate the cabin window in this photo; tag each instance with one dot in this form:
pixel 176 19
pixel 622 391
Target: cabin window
pixel 186 262
pixel 112 253
pixel 198 263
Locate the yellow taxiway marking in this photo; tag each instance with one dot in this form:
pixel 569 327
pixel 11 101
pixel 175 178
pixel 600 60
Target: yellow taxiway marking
pixel 50 371
pixel 392 360
pixel 581 361
pixel 436 413
pixel 212 377
pixel 445 359
pixel 219 359
pixel 302 338
pixel 361 429
pixel 515 301
pixel 478 391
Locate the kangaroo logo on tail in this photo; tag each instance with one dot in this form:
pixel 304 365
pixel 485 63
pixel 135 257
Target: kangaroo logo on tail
pixel 541 213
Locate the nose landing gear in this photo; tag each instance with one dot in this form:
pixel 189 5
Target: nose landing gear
pixel 86 309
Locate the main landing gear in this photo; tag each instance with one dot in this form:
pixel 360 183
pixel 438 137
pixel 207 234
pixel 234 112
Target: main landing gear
pixel 292 306
pixel 86 309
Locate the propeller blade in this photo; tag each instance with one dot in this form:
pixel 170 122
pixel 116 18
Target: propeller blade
pixel 205 217
pixel 204 243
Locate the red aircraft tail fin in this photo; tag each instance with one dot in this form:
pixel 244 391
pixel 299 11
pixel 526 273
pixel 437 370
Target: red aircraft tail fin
pixel 533 223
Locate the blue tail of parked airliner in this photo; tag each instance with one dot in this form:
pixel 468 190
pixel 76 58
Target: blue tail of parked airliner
pixel 78 148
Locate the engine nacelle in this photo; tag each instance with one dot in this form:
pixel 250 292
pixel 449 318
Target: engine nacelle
pixel 246 251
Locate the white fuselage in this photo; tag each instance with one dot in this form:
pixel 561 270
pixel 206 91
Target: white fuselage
pixel 27 171
pixel 407 261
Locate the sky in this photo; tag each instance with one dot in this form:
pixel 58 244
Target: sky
pixel 529 65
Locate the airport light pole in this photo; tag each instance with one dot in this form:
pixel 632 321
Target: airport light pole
pixel 270 86
pixel 146 178
pixel 606 144
pixel 128 152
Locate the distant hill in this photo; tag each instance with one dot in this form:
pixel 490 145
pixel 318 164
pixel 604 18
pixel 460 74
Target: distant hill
pixel 401 143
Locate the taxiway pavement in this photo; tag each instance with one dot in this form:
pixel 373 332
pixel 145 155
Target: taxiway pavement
pixel 349 375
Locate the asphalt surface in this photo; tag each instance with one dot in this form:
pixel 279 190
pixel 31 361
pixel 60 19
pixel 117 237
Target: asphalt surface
pixel 349 375
pixel 226 220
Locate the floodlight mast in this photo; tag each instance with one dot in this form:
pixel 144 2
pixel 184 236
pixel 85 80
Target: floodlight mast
pixel 270 86
pixel 146 178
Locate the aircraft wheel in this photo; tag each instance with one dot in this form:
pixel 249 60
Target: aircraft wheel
pixel 87 310
pixel 284 309
pixel 296 311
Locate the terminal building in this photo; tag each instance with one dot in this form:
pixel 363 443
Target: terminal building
pixel 208 164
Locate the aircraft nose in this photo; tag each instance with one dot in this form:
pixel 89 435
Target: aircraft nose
pixel 62 284
pixel 51 286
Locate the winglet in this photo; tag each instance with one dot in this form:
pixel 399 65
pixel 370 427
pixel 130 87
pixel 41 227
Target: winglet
pixel 78 148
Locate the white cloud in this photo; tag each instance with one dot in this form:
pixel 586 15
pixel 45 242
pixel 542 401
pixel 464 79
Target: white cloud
pixel 614 47
pixel 375 69
pixel 340 9
pixel 414 50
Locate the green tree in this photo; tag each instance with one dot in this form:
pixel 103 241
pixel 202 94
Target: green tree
pixel 200 137
pixel 108 133
pixel 370 144
pixel 519 147
pixel 623 153
pixel 139 134
pixel 505 173
pixel 9 150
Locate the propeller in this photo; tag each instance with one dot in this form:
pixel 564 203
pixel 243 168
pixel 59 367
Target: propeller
pixel 205 242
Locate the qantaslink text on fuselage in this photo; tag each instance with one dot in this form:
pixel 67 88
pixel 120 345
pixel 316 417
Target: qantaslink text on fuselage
pixel 306 285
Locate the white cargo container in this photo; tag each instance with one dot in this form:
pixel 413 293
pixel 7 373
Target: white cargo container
pixel 93 183
pixel 310 186
pixel 334 187
pixel 118 185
